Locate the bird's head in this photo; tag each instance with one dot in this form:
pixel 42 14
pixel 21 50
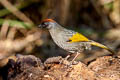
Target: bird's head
pixel 47 23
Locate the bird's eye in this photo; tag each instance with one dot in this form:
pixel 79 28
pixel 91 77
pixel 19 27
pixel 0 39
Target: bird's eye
pixel 44 25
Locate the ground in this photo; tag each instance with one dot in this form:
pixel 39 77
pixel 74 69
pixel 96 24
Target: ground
pixel 29 67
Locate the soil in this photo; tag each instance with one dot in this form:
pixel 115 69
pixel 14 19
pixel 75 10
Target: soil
pixel 29 67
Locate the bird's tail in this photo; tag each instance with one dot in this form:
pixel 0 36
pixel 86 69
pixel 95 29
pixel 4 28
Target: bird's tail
pixel 102 46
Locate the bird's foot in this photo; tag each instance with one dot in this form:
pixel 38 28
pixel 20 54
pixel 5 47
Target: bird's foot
pixel 61 61
pixel 64 60
pixel 73 62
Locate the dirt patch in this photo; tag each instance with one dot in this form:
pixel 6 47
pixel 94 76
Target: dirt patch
pixel 31 68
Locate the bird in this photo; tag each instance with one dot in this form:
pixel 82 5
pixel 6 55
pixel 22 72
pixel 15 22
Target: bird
pixel 70 40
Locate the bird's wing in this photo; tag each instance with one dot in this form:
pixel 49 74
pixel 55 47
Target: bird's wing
pixel 77 37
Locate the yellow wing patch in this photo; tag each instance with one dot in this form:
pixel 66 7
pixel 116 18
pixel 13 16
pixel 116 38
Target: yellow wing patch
pixel 78 38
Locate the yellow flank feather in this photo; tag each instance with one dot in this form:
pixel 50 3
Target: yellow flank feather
pixel 78 38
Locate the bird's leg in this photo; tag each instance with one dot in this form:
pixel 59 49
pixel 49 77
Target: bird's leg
pixel 64 59
pixel 75 57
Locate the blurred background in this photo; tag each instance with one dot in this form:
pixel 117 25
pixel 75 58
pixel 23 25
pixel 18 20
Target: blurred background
pixel 98 20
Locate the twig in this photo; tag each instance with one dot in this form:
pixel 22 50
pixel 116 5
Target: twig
pixel 22 5
pixel 9 47
pixel 16 23
pixel 105 21
pixel 11 33
pixel 15 11
pixel 115 16
pixel 4 30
